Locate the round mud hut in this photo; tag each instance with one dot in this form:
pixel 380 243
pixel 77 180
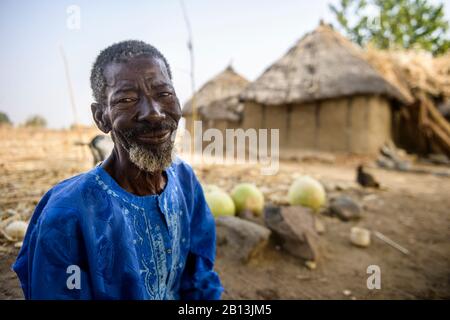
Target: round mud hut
pixel 322 95
pixel 217 102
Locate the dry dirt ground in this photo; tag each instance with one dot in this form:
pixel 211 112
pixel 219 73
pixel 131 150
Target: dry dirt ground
pixel 411 209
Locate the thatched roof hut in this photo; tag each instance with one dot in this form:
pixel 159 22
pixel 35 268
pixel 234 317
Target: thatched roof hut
pixel 223 88
pixel 217 103
pixel 321 65
pixel 323 95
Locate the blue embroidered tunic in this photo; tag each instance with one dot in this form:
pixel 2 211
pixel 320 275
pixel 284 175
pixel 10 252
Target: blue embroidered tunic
pixel 125 246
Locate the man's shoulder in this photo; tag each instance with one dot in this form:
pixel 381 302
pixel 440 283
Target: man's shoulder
pixel 68 193
pixel 59 208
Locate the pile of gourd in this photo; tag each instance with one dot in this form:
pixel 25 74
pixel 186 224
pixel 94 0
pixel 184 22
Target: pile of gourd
pixel 304 191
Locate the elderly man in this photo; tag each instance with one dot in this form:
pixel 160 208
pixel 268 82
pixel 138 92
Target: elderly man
pixel 137 226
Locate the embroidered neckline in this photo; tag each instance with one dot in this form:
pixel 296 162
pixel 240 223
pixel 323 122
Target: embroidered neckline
pixel 114 186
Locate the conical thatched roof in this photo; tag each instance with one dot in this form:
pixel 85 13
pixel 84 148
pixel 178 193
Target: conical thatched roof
pixel 321 65
pixel 224 87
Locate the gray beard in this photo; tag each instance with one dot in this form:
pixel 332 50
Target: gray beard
pixel 149 159
pixel 152 160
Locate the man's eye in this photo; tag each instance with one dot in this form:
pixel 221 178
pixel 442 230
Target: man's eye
pixel 126 100
pixel 165 94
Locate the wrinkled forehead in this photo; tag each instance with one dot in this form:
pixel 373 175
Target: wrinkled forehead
pixel 136 70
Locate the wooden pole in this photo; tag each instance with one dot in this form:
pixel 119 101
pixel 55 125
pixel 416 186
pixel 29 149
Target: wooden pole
pixel 69 85
pixel 72 100
pixel 190 46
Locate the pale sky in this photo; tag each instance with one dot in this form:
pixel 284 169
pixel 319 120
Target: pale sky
pixel 251 34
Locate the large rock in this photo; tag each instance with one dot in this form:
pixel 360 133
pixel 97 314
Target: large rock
pixel 239 239
pixel 345 208
pixel 294 228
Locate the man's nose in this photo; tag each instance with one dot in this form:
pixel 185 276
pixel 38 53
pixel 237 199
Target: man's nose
pixel 150 110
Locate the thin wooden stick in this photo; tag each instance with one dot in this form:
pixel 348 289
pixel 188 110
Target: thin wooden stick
pixel 390 242
pixel 69 85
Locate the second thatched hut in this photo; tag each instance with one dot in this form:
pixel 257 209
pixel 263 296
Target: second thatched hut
pixel 217 102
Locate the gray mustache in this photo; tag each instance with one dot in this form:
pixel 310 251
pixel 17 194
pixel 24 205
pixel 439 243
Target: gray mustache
pixel 167 125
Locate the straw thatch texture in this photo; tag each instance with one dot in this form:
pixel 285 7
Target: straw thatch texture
pixel 220 93
pixel 322 65
pixel 442 67
pixel 413 72
pixel 419 126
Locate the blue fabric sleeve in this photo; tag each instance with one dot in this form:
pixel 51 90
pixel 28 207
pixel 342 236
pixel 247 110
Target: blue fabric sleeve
pixel 199 281
pixel 53 243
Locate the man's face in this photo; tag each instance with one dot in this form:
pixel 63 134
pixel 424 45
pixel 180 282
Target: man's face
pixel 143 110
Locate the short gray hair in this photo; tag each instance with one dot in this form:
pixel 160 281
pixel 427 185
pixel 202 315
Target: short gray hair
pixel 120 52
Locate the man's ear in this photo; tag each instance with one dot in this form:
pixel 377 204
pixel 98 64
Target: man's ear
pixel 100 117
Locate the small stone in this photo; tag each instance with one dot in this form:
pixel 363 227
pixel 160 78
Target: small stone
pixel 384 162
pixel 403 165
pixel 347 293
pixel 360 237
pixel 345 208
pixel 311 265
